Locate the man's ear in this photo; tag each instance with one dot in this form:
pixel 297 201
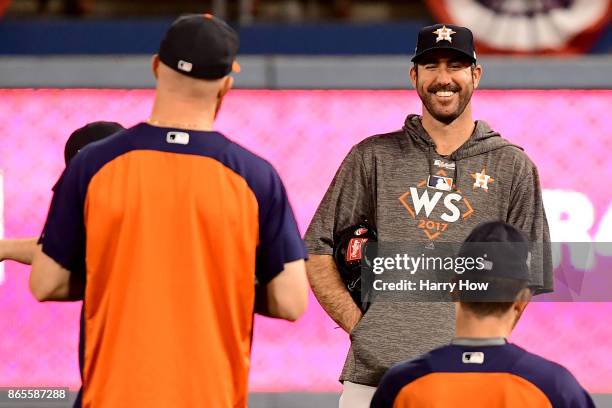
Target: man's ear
pixel 413 75
pixel 519 305
pixel 155 65
pixel 522 301
pixel 227 84
pixel 476 75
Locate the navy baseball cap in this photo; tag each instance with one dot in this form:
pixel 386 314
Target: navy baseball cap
pixel 445 36
pixel 504 248
pixel 200 46
pixel 89 133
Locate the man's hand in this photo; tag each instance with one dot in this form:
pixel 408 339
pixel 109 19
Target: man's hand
pixel 285 296
pixel 331 293
pixel 19 250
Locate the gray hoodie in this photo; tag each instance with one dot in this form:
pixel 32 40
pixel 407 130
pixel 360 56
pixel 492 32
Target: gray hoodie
pixel 386 179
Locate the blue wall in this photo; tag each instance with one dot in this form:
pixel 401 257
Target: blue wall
pixel 44 37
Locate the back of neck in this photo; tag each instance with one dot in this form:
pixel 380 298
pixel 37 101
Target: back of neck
pixel 471 326
pixel 182 114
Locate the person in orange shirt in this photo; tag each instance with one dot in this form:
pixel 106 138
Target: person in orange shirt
pixel 182 234
pixel 22 250
pixel 480 368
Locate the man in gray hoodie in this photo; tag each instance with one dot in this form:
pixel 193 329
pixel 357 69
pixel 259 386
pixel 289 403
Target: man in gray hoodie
pixel 432 181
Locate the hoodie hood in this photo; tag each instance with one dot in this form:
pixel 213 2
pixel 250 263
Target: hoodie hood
pixel 483 139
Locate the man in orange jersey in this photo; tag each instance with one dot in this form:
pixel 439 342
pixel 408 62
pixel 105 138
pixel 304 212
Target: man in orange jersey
pixel 480 368
pixel 23 249
pixel 177 228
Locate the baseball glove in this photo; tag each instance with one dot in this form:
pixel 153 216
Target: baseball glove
pixel 350 247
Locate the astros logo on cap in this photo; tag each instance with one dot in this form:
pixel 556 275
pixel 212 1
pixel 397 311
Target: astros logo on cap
pixel 444 34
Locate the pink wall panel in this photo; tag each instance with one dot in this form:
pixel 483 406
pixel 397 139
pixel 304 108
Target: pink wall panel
pixel 305 134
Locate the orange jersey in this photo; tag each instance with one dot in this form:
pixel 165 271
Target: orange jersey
pixel 173 228
pixel 479 374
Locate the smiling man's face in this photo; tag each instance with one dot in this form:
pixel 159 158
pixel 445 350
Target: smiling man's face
pixel 445 81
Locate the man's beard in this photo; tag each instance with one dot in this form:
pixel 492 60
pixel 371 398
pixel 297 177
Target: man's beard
pixel 427 97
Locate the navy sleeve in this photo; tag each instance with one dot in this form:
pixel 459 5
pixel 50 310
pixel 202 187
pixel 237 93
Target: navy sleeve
pixel 584 401
pixel 279 238
pixel 63 237
pixel 554 380
pixel 571 393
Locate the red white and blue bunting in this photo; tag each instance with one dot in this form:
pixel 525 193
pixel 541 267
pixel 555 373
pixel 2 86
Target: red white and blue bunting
pixel 527 26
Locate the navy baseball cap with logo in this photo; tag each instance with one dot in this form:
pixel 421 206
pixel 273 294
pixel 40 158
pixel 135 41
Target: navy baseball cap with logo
pixel 200 46
pixel 445 36
pixel 505 251
pixel 89 133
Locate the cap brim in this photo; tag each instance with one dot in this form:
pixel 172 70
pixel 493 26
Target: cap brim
pixel 442 47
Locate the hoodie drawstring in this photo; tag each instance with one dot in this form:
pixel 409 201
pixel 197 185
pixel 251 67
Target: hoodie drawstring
pixel 455 173
pixel 430 159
